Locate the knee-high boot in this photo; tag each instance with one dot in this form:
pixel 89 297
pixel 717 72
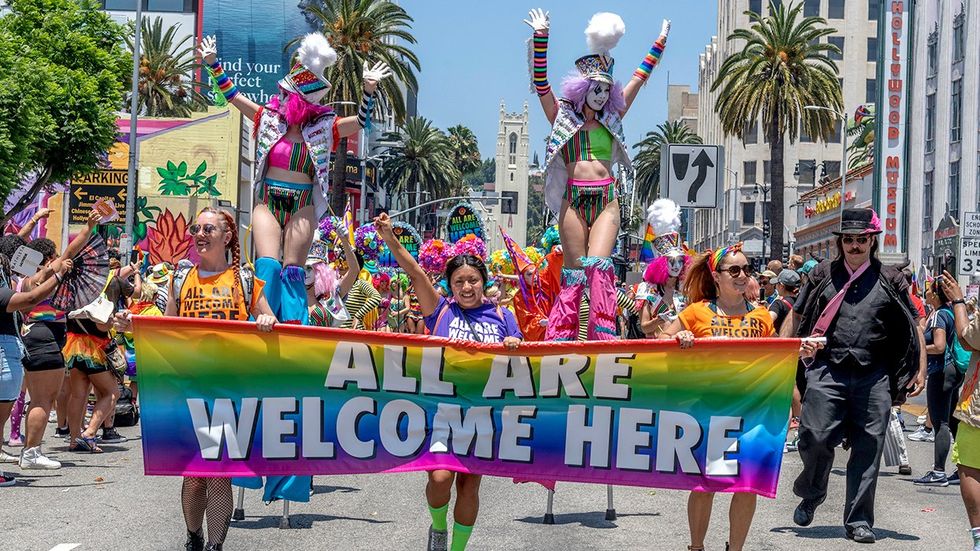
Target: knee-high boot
pixel 601 277
pixel 563 319
pixel 269 270
pixel 294 308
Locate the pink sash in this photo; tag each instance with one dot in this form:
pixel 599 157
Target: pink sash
pixel 833 306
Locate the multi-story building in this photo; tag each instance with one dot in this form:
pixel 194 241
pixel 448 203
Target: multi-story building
pixel 682 105
pixel 510 181
pixel 807 161
pixel 944 147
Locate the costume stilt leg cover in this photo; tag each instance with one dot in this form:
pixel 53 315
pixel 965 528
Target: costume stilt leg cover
pixel 563 319
pixel 269 270
pixel 294 308
pixel 601 278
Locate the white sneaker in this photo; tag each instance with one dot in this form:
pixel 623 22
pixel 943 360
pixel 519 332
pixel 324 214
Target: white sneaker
pixel 921 419
pixel 923 435
pixel 7 458
pixel 32 458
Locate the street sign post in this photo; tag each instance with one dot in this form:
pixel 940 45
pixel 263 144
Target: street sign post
pixel 693 175
pixel 85 192
pixel 969 245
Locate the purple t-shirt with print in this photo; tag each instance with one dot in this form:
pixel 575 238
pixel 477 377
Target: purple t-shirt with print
pixel 490 323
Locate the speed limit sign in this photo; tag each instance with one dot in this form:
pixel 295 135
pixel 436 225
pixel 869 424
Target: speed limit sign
pixel 969 257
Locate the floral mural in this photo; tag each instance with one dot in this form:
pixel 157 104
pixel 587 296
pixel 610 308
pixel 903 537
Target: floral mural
pixel 168 240
pixel 176 181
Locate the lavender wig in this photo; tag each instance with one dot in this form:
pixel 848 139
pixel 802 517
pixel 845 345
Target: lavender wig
pixel 574 88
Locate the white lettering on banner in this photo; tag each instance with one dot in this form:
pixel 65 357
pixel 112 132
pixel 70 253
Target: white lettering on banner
pixel 394 376
pixel 274 428
pixel 514 431
pixel 509 373
pixel 598 434
pixel 391 417
pixel 608 369
pixel 460 329
pixel 347 420
pixel 432 383
pixel 678 434
pixel 313 445
pixel 224 426
pixel 721 444
pixel 352 363
pixel 631 438
pixel 450 425
pixel 563 372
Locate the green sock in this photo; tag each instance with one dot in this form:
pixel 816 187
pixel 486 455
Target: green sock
pixel 461 535
pixel 439 517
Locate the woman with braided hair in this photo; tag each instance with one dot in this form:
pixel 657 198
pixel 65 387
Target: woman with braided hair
pixel 586 141
pixel 218 287
pixel 295 135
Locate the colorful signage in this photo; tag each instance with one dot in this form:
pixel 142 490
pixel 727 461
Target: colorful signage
pixel 463 220
pixel 222 399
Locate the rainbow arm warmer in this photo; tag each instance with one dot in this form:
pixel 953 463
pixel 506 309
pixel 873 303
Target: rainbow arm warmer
pixel 652 58
pixel 227 87
pixel 539 75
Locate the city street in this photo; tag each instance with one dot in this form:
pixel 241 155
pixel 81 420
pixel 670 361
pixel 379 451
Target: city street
pixel 105 502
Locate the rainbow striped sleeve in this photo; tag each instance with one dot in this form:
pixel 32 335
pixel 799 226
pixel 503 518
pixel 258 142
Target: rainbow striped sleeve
pixel 652 58
pixel 540 71
pixel 227 87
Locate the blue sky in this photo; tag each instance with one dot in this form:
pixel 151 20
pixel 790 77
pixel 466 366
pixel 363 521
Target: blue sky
pixel 473 54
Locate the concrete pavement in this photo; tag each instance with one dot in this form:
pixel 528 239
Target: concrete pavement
pixel 105 502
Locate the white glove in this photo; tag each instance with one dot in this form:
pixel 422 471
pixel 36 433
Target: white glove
pixel 540 20
pixel 665 27
pixel 379 72
pixel 208 47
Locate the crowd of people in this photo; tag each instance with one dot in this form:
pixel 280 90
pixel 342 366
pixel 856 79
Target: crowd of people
pixel 867 341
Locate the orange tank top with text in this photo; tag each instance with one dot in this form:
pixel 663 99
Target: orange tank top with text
pixel 702 320
pixel 215 296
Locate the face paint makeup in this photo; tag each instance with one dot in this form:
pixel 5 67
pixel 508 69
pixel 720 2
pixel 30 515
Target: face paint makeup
pixel 597 96
pixel 674 265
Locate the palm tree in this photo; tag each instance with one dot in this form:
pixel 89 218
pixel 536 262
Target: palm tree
pixel 646 163
pixel 166 81
pixel 364 30
pixel 778 67
pixel 422 162
pixel 465 153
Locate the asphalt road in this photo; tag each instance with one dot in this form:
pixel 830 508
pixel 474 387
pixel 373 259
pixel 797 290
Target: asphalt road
pixel 105 502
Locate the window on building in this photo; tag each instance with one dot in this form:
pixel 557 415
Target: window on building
pixel 751 133
pixel 835 9
pixel 874 10
pixel 811 8
pixel 927 199
pixel 954 189
pixel 956 111
pixel 173 6
pixel 511 176
pixel 870 90
pixel 839 42
pixel 508 201
pixel 512 157
pixel 805 136
pixel 930 123
pixel 808 171
pixel 873 49
pixel 959 35
pixel 932 53
pixel 128 5
pixel 831 169
pixel 748 214
pixel 836 137
pixel 755 6
pixel 749 175
pixel 766 173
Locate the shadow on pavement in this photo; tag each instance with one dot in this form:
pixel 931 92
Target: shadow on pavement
pixel 297 521
pixel 333 489
pixel 588 520
pixel 837 532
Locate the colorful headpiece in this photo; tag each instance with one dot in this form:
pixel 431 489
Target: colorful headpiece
pixel 471 245
pixel 601 35
pixel 319 252
pixel 368 242
pixel 715 257
pixel 433 255
pixel 664 217
pixel 307 76
pixel 550 238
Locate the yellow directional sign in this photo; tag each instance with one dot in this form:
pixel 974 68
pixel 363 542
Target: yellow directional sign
pixel 87 190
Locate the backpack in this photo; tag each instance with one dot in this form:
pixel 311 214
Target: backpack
pixel 126 413
pixel 247 277
pixel 956 352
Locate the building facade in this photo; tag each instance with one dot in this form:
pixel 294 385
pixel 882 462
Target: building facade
pixel 807 162
pixel 510 181
pixel 682 105
pixel 944 147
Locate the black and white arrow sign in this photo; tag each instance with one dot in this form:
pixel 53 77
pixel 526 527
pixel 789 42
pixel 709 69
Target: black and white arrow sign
pixel 691 175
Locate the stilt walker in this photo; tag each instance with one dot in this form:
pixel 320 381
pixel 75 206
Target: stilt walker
pixel 586 142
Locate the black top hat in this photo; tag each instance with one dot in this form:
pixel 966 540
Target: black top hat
pixel 859 222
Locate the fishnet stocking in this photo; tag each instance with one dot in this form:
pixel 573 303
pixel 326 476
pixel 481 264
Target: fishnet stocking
pixel 213 496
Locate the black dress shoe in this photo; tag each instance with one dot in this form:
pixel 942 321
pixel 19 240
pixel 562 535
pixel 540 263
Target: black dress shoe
pixel 803 515
pixel 861 534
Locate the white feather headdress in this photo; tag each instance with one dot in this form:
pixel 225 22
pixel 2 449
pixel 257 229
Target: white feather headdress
pixel 316 54
pixel 603 32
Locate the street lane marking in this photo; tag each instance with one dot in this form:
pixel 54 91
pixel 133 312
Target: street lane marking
pixel 65 546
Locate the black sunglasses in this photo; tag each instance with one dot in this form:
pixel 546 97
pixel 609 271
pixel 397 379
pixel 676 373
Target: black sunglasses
pixel 847 240
pixel 735 270
pixel 208 228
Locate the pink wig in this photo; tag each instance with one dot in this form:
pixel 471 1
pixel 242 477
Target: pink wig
pixel 658 271
pixel 297 110
pixel 574 88
pixel 325 279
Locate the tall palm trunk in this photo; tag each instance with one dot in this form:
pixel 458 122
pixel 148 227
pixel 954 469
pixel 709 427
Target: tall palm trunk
pixel 776 141
pixel 338 181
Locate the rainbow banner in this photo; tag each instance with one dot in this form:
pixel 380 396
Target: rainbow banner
pixel 221 399
pixel 646 250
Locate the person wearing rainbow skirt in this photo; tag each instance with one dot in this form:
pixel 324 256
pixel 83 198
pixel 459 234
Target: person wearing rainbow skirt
pixel 586 142
pixel 295 135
